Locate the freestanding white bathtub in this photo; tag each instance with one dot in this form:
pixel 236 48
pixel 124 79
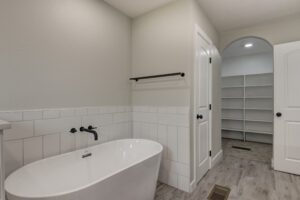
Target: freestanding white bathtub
pixel 118 170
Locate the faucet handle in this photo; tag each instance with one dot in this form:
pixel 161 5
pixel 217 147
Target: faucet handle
pixel 91 127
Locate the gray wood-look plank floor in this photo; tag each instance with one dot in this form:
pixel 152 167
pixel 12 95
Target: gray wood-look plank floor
pixel 248 174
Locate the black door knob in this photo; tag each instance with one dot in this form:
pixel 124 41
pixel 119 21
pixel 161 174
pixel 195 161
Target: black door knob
pixel 73 130
pixel 279 114
pixel 199 116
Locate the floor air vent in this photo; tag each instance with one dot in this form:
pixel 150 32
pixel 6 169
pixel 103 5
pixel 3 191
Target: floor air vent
pixel 241 148
pixel 219 193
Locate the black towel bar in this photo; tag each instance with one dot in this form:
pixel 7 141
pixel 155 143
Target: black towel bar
pixel 158 76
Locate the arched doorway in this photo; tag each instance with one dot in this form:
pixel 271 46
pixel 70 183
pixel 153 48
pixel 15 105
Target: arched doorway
pixel 247 98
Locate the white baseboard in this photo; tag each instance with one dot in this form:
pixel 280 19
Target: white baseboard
pixel 214 161
pixel 192 186
pixel 217 158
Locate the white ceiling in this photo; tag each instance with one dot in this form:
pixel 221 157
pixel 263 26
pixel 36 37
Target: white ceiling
pixel 237 48
pixel 232 14
pixel 224 14
pixel 134 8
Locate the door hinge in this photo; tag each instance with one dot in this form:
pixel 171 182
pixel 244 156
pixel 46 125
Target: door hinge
pixel 210 107
pixel 209 153
pixel 210 60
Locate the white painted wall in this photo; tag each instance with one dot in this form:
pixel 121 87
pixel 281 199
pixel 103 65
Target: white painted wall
pixel 276 31
pixel 203 21
pixel 163 43
pixel 63 53
pixel 248 64
pixel 160 45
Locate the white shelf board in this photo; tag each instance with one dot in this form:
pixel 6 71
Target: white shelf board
pixel 224 108
pixel 230 87
pixel 248 131
pixel 258 97
pixel 247 97
pixel 249 86
pixel 232 129
pixel 262 74
pixel 258 132
pixel 254 120
pixel 260 109
pixel 233 76
pixel 232 97
pixel 248 120
pixel 233 119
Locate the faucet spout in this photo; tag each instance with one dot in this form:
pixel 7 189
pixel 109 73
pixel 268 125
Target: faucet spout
pixel 91 130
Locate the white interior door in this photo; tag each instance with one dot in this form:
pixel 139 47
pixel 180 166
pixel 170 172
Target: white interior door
pixel 202 121
pixel 287 108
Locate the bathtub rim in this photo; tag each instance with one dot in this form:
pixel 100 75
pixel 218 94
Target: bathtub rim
pixel 93 182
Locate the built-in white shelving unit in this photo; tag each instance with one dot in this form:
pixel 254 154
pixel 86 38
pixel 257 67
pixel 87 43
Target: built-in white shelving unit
pixel 247 107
